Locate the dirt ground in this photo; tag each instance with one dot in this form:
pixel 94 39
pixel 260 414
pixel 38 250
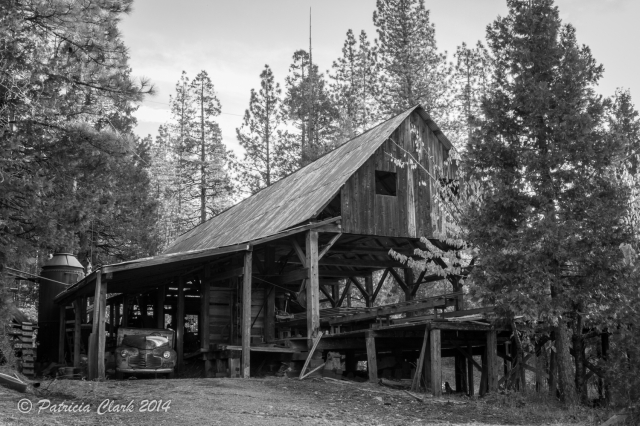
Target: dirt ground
pixel 268 401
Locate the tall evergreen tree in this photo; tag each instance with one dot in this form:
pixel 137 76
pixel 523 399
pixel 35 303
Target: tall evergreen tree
pixel 66 155
pixel 308 106
pixel 355 85
pixel 471 79
pixel 268 155
pixel 412 69
pixel 550 223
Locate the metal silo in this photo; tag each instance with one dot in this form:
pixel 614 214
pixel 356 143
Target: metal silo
pixel 61 268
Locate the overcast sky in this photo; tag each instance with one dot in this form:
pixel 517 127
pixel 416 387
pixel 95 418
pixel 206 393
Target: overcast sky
pixel 233 39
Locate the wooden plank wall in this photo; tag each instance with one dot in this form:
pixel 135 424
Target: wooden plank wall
pixel 220 314
pixel 223 319
pixel 409 213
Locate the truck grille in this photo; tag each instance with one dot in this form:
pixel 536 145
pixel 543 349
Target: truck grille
pixel 145 360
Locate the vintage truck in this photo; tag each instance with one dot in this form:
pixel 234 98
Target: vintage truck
pixel 145 351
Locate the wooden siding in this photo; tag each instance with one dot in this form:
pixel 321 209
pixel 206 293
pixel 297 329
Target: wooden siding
pixel 409 213
pixel 223 318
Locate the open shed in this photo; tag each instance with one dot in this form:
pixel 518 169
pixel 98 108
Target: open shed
pixel 256 275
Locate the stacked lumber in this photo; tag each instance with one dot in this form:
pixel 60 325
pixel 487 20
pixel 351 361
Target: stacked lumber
pixel 23 342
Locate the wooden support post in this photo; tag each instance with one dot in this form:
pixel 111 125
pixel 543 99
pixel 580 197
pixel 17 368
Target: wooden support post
pixel 142 305
pixel 97 357
pixel 335 294
pixel 180 325
pixel 313 286
pixel 160 296
pixel 415 384
pixel 62 333
pixel 470 384
pixel 77 333
pixel 125 310
pixel 246 315
pixel 118 315
pixel 483 377
pixel 372 360
pixel 436 362
pixel 463 373
pixel 408 280
pixel 112 314
pixel 270 295
pixel 204 318
pixel 458 372
pixel 552 374
pixel 492 361
pixel 83 310
pixel 368 286
pixel 101 303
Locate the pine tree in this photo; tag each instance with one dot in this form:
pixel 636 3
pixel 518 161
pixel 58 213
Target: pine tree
pixel 412 69
pixel 262 137
pixel 354 85
pixel 549 226
pixel 308 106
pixel 471 79
pixel 212 186
pixel 66 154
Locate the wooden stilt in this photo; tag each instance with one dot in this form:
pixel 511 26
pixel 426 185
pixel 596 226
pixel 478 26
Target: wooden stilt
pixel 483 377
pixel 112 315
pixel 97 357
pixel 62 334
pixel 125 310
pixel 372 360
pixel 457 372
pixel 270 295
pixel 101 303
pixel 436 366
pixel 77 333
pixel 368 286
pixel 470 384
pixel 415 384
pixel 160 296
pixel 313 286
pixel 246 315
pixel 204 319
pixel 180 325
pixel 492 361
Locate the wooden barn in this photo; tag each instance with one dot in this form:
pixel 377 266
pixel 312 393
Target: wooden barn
pixel 254 279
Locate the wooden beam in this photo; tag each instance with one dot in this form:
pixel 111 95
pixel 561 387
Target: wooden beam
pixel 313 284
pixel 77 333
pixel 399 280
pixel 470 363
pixel 368 286
pixel 327 294
pixel 492 361
pixel 160 297
pixel 358 284
pixel 180 324
pixel 125 310
pixel 415 384
pixel 62 330
pixel 326 248
pixel 102 338
pixel 246 316
pixel 96 323
pixel 301 256
pixel 416 285
pixel 379 286
pixel 288 277
pixel 270 311
pixel 468 354
pixel 236 272
pixel 372 360
pixel 436 301
pixel 436 362
pixel 346 290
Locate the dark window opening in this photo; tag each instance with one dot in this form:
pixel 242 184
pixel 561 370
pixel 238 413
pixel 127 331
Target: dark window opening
pixel 386 183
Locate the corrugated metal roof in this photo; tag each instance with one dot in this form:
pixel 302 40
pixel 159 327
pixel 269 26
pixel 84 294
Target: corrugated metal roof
pixel 291 200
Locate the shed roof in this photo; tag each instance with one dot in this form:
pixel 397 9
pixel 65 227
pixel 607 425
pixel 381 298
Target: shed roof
pixel 297 197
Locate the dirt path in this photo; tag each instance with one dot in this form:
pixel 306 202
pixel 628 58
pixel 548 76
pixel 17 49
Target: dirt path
pixel 270 401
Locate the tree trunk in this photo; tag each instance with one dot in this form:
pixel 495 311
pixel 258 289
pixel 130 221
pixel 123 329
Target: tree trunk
pixel 203 178
pixel 566 386
pixel 579 359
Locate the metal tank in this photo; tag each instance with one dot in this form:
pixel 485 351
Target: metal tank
pixel 61 268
